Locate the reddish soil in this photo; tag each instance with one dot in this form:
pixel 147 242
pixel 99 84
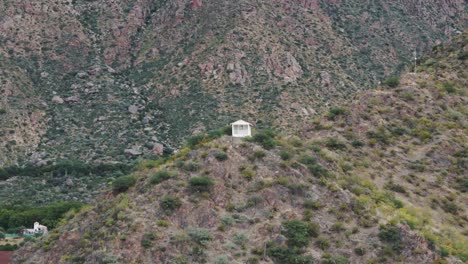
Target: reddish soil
pixel 5 257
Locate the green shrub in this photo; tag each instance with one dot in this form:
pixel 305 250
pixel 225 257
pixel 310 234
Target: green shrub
pixel 463 55
pixel 390 233
pixel 287 255
pixel 2 111
pixel 326 259
pixel 322 243
pixel 317 170
pixel 221 156
pixel 333 143
pixel 259 154
pixel 449 87
pixel 8 247
pixel 381 136
pixel 223 259
pixel 160 176
pixel 395 187
pixel 163 223
pixel 195 140
pixel 337 227
pixel 284 155
pixel 240 239
pixel 392 81
pixel 335 111
pixel 247 172
pixel 169 203
pixel 200 184
pixel 191 166
pixel 357 143
pixel 450 207
pixel 200 235
pixel 122 183
pixel 147 240
pixel 312 204
pixel 298 233
pixel 307 160
pixel 265 138
pixel 360 251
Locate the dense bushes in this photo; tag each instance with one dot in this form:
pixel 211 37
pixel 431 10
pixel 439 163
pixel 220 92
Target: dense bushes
pixel 333 143
pixel 169 203
pixel 200 235
pixel 285 155
pixel 147 240
pixel 122 183
pixel 390 233
pixel 287 255
pixel 8 247
pixel 200 184
pixel 380 135
pixel 265 138
pixel 314 167
pixel 392 82
pixel 335 111
pixel 160 176
pixel 298 234
pixel 50 215
pixel 221 156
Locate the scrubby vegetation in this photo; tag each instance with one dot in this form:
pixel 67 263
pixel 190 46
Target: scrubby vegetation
pixel 392 82
pixel 389 175
pixel 200 184
pixel 122 183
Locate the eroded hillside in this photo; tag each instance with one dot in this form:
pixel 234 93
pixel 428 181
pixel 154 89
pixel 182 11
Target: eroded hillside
pixel 378 180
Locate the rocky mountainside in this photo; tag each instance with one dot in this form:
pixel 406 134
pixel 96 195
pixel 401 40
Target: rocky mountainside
pixel 381 179
pixel 111 80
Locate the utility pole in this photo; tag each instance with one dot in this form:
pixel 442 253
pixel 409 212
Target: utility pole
pixel 415 60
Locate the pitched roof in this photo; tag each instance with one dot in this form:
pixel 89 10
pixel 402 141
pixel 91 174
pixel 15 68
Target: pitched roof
pixel 241 122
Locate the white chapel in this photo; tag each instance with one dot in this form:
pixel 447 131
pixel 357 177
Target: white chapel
pixel 241 128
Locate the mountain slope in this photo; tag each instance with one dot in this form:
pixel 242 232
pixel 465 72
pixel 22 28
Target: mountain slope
pixel 378 180
pixel 132 75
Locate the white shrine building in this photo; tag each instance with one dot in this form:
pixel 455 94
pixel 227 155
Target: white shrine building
pixel 38 229
pixel 241 128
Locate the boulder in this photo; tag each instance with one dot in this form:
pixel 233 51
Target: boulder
pixel 133 109
pixel 158 149
pixel 81 75
pixel 132 152
pixel 72 99
pixel 57 100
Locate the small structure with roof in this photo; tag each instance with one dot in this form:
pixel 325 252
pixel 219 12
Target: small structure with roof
pixel 38 229
pixel 241 128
